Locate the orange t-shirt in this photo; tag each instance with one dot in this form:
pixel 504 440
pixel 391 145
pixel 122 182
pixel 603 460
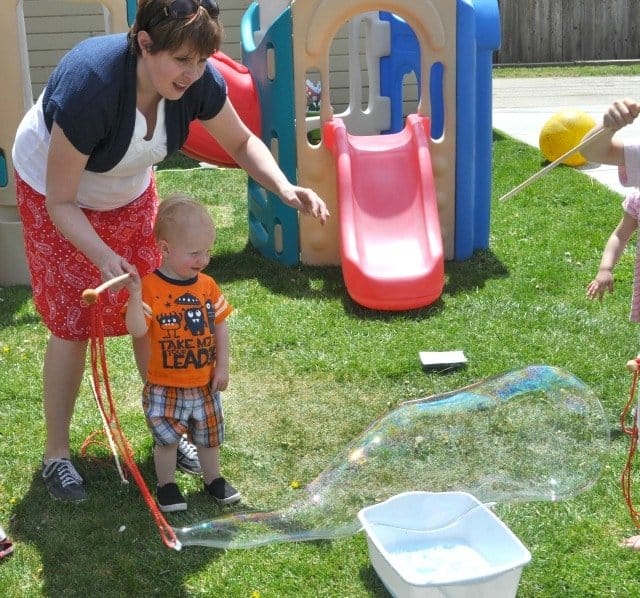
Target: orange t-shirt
pixel 182 328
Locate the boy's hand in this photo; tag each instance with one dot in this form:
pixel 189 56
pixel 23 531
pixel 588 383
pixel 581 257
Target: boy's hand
pixel 147 310
pixel 133 283
pixel 220 379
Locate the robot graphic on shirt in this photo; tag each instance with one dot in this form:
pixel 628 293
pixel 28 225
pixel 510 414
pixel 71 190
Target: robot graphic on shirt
pixel 197 347
pixel 193 316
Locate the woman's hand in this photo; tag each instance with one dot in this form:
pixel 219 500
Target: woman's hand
pixel 114 265
pixel 251 154
pixel 307 201
pixel 65 166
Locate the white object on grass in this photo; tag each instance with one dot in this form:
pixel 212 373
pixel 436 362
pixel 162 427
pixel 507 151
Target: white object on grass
pixel 436 359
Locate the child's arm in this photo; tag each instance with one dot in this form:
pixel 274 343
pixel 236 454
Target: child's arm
pixel 612 252
pixel 135 318
pixel 605 149
pixel 220 379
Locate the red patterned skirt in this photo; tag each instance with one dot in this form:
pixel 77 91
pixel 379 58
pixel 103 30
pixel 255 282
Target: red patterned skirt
pixel 59 272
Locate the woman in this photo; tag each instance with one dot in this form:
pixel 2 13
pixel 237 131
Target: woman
pixel 83 155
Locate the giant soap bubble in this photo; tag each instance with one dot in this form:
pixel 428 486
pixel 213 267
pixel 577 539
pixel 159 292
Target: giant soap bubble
pixel 536 433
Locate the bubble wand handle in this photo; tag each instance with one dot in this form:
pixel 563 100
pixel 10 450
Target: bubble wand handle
pixel 584 143
pixel 91 295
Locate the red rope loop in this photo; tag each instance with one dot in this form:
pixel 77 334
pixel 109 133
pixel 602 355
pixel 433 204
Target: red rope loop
pixel 108 410
pixel 632 432
pixel 96 437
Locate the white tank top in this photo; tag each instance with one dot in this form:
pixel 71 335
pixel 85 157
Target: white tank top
pixel 100 191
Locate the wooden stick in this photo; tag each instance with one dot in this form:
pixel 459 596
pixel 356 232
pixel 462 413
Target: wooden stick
pixel 584 143
pixel 91 295
pixel 107 431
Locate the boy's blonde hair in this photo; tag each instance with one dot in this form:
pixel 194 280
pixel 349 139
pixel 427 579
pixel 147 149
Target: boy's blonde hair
pixel 176 213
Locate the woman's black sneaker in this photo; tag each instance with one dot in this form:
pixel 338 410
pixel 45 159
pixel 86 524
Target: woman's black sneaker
pixel 63 481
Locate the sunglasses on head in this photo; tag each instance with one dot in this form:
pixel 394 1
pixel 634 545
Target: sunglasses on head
pixel 182 9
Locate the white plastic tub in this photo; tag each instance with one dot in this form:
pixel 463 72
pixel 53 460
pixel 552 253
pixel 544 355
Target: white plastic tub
pixel 437 544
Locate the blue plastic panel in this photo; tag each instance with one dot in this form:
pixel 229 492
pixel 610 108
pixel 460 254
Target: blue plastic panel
pixel 4 176
pixel 478 34
pixel 273 226
pixel 403 59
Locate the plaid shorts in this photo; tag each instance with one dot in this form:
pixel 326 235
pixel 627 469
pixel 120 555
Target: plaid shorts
pixel 171 411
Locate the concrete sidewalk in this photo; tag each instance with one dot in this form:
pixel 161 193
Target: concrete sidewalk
pixel 522 106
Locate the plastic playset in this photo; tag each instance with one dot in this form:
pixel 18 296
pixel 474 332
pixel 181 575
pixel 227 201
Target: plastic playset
pixel 430 197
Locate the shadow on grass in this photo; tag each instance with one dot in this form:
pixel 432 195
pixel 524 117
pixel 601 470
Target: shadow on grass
pixel 15 308
pixel 474 273
pixel 296 282
pixel 373 583
pixel 105 546
pixel 326 282
pixel 292 281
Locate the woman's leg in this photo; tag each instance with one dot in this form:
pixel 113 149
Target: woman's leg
pixel 64 364
pixel 62 374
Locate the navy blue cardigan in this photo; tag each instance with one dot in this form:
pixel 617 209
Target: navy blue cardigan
pixel 91 95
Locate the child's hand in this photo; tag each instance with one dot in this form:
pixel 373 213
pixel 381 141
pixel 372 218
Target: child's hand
pixel 600 284
pixel 621 113
pixel 146 309
pixel 133 283
pixel 220 379
pixel 632 365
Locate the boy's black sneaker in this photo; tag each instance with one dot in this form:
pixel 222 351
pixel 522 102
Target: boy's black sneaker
pixel 223 492
pixel 169 498
pixel 63 481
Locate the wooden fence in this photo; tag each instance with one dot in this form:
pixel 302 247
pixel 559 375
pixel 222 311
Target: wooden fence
pixel 553 31
pixel 54 26
pixel 533 31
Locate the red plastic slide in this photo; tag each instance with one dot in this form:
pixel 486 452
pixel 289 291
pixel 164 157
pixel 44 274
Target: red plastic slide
pixel 391 245
pixel 244 97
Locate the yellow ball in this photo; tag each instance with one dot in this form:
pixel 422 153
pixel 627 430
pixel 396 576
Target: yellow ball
pixel 562 132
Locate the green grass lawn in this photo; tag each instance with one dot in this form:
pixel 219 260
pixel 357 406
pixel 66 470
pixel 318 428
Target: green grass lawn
pixel 310 371
pixel 578 70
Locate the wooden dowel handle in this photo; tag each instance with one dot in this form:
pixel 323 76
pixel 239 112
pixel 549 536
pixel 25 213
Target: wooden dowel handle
pixel 111 282
pixel 584 143
pixel 91 295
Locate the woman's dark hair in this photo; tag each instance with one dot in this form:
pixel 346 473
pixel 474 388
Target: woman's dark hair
pixel 199 30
